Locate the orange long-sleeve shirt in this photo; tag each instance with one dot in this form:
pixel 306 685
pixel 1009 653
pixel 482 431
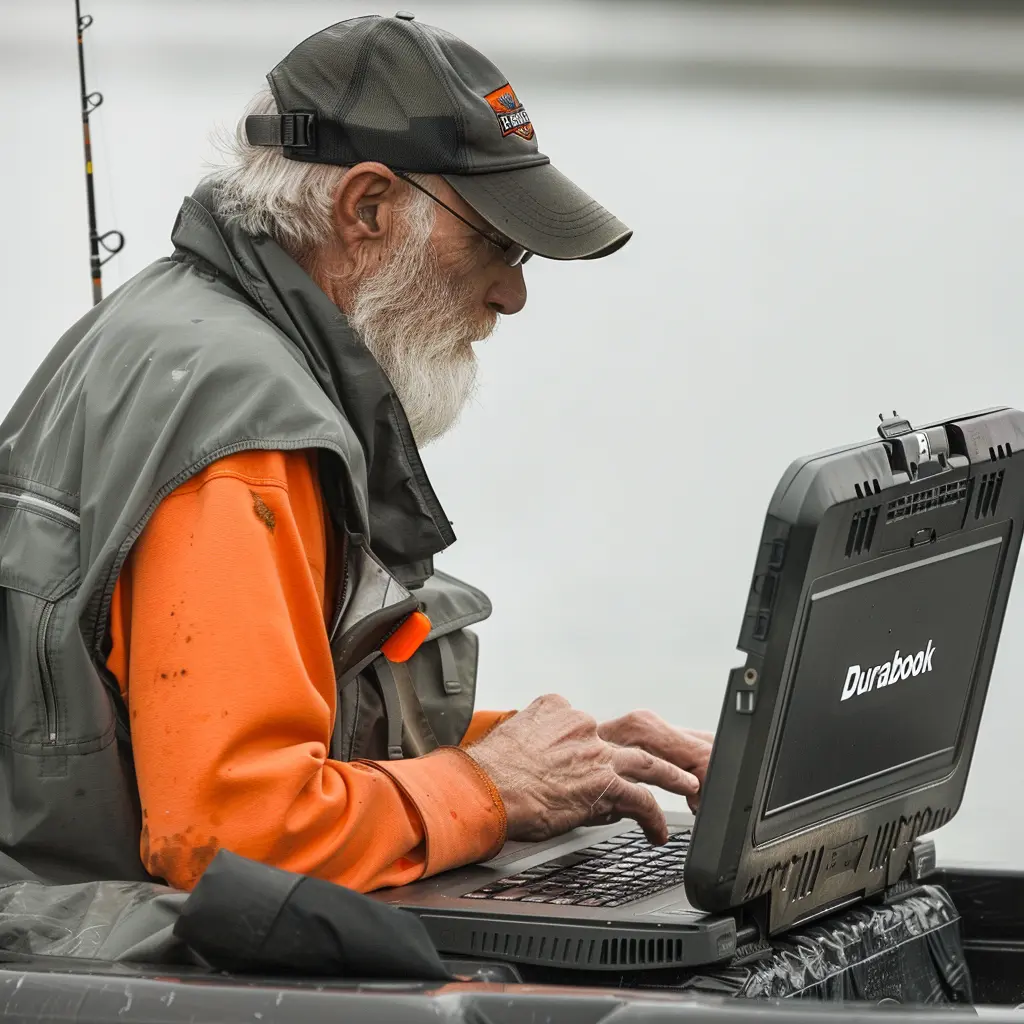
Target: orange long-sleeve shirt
pixel 221 652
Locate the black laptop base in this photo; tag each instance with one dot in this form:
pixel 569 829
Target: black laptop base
pixel 874 612
pixel 907 950
pixel 652 927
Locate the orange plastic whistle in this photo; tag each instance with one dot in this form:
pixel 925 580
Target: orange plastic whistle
pixel 406 640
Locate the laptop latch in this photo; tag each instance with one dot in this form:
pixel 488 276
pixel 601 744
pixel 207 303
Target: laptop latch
pixel 917 453
pixel 892 426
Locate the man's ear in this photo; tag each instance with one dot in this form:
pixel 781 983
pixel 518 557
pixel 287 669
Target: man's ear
pixel 368 215
pixel 364 209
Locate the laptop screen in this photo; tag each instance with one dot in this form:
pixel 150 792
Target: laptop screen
pixel 884 675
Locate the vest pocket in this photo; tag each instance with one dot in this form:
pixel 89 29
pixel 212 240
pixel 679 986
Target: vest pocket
pixel 436 687
pixel 38 575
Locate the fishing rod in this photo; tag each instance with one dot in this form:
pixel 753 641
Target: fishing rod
pixel 112 242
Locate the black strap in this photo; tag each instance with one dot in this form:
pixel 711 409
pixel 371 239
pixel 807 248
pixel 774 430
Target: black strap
pixel 392 706
pixel 418 734
pixel 449 671
pixel 280 130
pixel 406 720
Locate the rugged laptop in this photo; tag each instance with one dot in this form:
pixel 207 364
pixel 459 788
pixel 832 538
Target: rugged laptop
pixel 878 593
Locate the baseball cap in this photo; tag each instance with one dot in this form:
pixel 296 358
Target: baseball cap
pixel 418 99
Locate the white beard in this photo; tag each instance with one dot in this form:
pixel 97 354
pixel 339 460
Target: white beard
pixel 416 321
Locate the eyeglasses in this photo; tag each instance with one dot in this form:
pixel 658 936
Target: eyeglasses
pixel 514 255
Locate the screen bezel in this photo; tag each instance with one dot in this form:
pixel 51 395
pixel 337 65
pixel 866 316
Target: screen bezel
pixel 817 810
pixel 813 527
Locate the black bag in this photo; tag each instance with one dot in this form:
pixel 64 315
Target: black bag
pixel 246 917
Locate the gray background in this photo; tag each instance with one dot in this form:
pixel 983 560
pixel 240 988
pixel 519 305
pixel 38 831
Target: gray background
pixel 828 214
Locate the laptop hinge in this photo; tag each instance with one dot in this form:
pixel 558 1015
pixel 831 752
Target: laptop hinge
pixel 923 862
pixel 913 859
pixel 918 867
pixel 911 862
pixel 752 921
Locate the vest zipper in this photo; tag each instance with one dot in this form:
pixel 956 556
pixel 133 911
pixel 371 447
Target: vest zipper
pixel 45 677
pixel 51 509
pixel 341 589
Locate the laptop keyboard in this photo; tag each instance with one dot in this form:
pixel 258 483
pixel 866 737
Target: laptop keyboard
pixel 620 870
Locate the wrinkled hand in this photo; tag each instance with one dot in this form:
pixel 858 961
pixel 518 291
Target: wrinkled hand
pixel 689 749
pixel 556 769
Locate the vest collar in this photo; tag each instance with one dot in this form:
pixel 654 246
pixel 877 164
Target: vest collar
pixel 407 524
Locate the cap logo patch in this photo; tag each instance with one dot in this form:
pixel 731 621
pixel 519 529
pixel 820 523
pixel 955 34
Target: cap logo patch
pixel 512 118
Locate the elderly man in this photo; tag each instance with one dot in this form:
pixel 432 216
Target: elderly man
pixel 221 623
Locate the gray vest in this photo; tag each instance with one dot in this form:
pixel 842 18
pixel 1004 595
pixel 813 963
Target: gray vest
pixel 226 345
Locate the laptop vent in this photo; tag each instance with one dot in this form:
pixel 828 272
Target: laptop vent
pixel 904 830
pixel 988 494
pixel 640 952
pixel 756 886
pixel 799 875
pixel 924 501
pixel 805 874
pixel 550 949
pixel 862 531
pixel 574 951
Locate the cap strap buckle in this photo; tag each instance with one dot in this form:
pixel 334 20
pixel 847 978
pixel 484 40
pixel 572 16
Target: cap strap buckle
pixel 296 131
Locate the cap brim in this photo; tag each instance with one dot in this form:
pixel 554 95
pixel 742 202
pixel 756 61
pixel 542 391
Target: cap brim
pixel 542 210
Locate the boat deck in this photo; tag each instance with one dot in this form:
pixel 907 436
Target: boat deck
pixel 35 988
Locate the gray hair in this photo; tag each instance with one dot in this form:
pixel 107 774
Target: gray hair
pixel 264 193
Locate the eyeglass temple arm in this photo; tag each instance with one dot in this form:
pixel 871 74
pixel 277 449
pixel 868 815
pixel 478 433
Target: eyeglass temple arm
pixel 454 213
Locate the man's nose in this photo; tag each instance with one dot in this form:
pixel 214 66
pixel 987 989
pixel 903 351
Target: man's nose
pixel 507 293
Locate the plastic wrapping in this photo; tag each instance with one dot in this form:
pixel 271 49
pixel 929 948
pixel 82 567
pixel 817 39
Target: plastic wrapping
pixel 94 920
pixel 243 916
pixel 909 951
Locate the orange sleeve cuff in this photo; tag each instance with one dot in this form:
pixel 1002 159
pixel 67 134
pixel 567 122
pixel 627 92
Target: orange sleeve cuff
pixel 462 812
pixel 481 724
